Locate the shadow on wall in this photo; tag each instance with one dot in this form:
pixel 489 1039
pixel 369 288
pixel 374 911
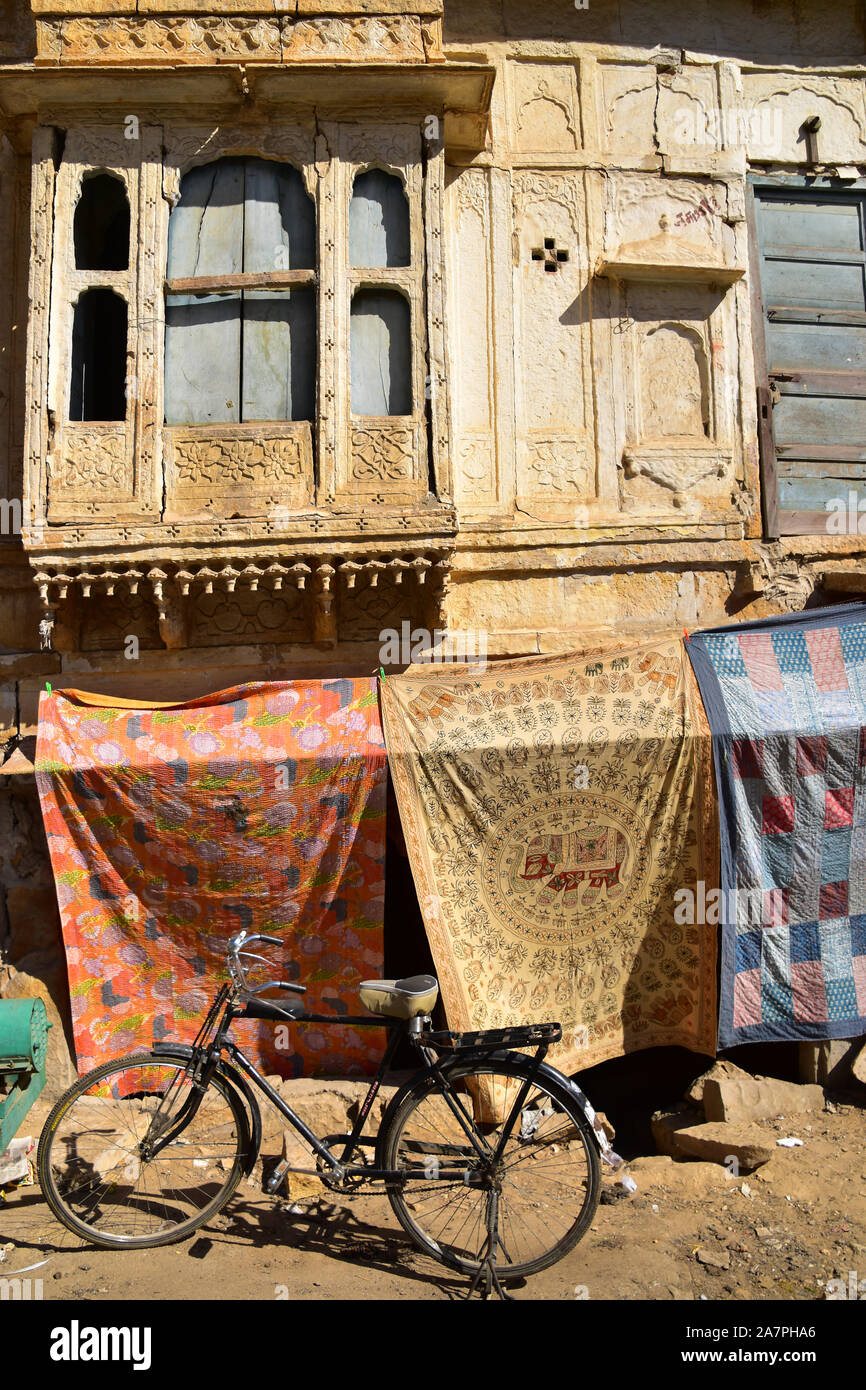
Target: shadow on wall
pixel 17 29
pixel 792 29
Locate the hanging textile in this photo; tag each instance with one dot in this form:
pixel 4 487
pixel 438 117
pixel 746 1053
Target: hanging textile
pixel 786 701
pixel 551 808
pixel 170 827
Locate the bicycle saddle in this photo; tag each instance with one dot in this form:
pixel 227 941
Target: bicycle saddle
pixel 400 998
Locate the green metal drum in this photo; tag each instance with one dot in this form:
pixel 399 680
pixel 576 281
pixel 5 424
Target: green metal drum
pixel 23 1047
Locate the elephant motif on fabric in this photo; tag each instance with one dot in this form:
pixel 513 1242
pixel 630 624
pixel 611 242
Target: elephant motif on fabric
pixel 581 862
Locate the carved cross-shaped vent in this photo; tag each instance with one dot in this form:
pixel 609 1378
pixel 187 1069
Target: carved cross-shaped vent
pixel 548 253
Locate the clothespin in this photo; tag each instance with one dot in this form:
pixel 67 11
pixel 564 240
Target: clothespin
pixel 381 673
pixel 685 634
pixel 48 686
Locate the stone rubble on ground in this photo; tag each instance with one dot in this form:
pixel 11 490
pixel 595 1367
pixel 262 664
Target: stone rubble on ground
pixel 748 1145
pixel 744 1099
pixel 715 1121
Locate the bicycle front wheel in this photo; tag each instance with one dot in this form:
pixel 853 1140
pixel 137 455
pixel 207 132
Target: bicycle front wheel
pixel 539 1196
pixel 94 1164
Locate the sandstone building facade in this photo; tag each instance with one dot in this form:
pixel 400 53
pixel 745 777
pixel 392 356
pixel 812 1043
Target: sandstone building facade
pixel 536 321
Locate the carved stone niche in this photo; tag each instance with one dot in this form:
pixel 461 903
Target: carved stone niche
pixel 544 107
pixel 626 100
pixel 678 450
pixel 675 230
pixel 775 106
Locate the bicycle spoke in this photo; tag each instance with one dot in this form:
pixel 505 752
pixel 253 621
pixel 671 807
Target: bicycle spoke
pixel 545 1178
pixel 103 1181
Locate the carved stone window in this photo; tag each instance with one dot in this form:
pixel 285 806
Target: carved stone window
pixel 99 334
pixel 101 224
pixel 254 394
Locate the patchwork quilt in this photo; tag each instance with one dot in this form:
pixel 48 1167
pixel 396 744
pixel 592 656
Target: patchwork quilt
pixel 786 702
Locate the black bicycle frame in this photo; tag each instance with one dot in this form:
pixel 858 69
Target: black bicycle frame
pixel 205 1058
pixel 337 1164
pixel 397 1029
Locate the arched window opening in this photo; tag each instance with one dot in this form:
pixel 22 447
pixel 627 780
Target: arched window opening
pixel 378 222
pixel 100 229
pixel 99 336
pixel 381 349
pixel 243 350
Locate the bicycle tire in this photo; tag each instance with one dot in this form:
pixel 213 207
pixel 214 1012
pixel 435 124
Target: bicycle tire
pixel 101 1134
pixel 444 1219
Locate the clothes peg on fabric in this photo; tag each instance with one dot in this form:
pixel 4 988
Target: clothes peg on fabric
pixel 48 687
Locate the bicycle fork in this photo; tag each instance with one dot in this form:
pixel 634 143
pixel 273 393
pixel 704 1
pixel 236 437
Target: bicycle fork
pixel 157 1137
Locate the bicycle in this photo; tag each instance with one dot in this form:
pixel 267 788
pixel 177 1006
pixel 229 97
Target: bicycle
pixel 488 1156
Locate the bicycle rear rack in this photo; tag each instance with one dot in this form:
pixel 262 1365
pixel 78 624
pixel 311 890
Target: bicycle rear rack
pixel 530 1035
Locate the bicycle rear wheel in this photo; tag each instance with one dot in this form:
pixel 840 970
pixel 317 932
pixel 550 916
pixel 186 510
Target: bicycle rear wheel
pixel 547 1181
pixel 96 1177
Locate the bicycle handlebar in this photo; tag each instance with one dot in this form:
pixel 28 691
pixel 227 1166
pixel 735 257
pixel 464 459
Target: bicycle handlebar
pixel 234 951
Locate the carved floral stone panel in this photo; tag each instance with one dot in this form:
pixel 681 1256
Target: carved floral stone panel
pixel 555 466
pixel 247 470
pixel 384 454
pixel 107 625
pixel 96 464
pixel 385 38
pixel 220 619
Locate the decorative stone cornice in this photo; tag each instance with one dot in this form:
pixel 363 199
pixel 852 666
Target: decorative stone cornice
pixel 171 583
pixel 407 34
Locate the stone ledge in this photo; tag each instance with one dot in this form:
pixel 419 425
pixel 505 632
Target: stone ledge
pixel 16 664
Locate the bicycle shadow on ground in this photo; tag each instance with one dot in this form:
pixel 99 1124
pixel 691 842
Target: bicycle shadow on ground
pixel 328 1228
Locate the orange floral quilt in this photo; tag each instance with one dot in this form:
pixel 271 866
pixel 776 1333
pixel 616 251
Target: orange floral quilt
pixel 170 827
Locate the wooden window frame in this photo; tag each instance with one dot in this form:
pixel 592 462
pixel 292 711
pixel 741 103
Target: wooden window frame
pixel 756 183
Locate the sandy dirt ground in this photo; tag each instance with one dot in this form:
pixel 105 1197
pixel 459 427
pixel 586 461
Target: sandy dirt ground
pixel 689 1232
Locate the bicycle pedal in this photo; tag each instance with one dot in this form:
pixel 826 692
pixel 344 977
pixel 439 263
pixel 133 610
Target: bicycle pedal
pixel 278 1177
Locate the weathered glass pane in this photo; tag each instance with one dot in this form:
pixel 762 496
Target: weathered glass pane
pixel 205 232
pixel 203 332
pixel 381 354
pixel 378 221
pixel 279 352
pixel 279 219
pixel 243 355
pixel 202 358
